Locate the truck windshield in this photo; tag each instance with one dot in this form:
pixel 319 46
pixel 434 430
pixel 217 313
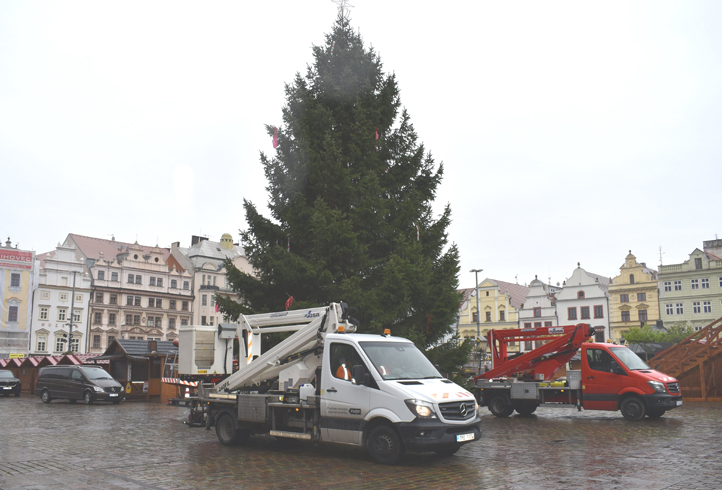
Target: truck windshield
pixel 399 360
pixel 629 358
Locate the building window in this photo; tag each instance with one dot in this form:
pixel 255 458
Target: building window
pixel 138 279
pixel 59 344
pixel 475 316
pixel 42 343
pixel 698 263
pixel 136 319
pixel 111 339
pixel 488 316
pixel 75 345
pixel 186 285
pixel 76 315
pixel 203 319
pixel 537 312
pixel 152 281
pixel 667 285
pixel 707 306
pixel 585 312
pixel 527 345
pixel 669 308
pixel 137 301
pixel 128 319
pixel 625 316
pixel 694 283
pixel 572 313
pixel 184 306
pixel 14 280
pixel 184 321
pixel 159 302
pixel 213 300
pixel 631 278
pixel 46 294
pixel 99 298
pixel 63 297
pixel 131 278
pixel 171 323
pixel 599 311
pixel 114 277
pixel 78 298
pixel 96 341
pixel 705 283
pixel 171 304
pixel 151 302
pixel 212 317
pixel 580 294
pixel 101 275
pixel 547 324
pixel 641 296
pixel 624 298
pixel 129 301
pixel 150 322
pixel 537 324
pixel 111 318
pixel 527 325
pixel 677 285
pixel 502 315
pixel 12 314
pixel 680 308
pixel 98 317
pixel 159 282
pixel 113 299
pixel 642 315
pixel 159 322
pixel 696 308
pixel 173 284
pixel 204 300
pixel 62 314
pixel 44 312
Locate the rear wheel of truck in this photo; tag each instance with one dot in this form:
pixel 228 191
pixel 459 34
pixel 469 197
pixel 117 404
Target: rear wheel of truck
pixel 633 408
pixel 227 432
pixel 384 445
pixel 499 406
pixel 525 408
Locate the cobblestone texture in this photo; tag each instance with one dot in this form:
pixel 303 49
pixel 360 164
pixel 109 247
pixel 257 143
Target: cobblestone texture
pixel 137 445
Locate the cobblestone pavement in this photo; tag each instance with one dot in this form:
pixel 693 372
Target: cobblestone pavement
pixel 138 445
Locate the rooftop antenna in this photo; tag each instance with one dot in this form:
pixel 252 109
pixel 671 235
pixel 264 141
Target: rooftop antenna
pixel 343 6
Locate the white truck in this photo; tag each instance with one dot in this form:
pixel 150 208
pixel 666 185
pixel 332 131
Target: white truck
pixel 325 383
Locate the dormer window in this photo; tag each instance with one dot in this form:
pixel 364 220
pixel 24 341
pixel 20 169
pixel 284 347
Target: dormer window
pixel 580 295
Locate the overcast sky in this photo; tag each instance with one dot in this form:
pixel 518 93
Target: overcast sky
pixel 569 131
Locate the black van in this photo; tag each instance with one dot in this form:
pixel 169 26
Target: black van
pixel 87 383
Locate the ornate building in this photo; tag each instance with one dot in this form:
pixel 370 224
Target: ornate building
pixel 633 297
pixel 539 308
pixel 584 299
pixel 17 281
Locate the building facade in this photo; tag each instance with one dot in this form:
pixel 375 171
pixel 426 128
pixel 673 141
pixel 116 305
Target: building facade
pixel 63 286
pixel 136 294
pixel 633 297
pixel 17 281
pixel 539 309
pixel 204 259
pixel 691 292
pixel 584 299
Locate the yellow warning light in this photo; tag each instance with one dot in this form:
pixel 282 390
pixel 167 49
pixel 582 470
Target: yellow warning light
pixel 341 329
pixel 387 331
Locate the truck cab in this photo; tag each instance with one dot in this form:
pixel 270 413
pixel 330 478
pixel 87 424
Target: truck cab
pixel 615 378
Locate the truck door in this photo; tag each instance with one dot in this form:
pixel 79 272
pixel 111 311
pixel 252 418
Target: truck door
pixel 344 404
pixel 600 386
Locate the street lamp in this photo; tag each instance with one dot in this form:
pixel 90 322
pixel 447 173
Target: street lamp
pixel 478 314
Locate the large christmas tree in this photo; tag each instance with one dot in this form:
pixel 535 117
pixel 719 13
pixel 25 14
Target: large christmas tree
pixel 351 193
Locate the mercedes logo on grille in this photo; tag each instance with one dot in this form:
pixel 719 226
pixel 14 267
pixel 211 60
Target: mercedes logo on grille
pixel 463 409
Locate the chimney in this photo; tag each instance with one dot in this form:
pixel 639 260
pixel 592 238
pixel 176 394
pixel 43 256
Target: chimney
pixel 153 346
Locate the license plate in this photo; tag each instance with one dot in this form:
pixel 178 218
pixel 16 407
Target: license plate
pixel 464 437
pixel 113 394
pixel 679 403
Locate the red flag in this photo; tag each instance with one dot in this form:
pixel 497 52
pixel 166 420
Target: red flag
pixel 289 302
pixel 377 138
pixel 218 307
pixel 275 137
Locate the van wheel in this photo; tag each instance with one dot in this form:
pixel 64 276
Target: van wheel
pixel 45 397
pixel 227 432
pixel 499 406
pixel 88 398
pixel 384 445
pixel 633 409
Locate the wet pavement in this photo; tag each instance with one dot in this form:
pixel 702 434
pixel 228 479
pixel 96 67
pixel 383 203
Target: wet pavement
pixel 138 445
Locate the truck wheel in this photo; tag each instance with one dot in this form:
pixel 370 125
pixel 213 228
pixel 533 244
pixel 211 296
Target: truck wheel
pixel 227 432
pixel 525 409
pixel 633 408
pixel 45 397
pixel 88 398
pixel 499 406
pixel 655 414
pixel 384 445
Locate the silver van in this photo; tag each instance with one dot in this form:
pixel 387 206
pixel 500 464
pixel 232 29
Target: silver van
pixel 87 383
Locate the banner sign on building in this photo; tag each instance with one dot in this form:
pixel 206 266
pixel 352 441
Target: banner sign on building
pixel 16 259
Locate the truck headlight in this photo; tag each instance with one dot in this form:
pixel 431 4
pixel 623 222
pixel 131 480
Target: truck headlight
pixel 98 388
pixel 421 409
pixel 657 386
